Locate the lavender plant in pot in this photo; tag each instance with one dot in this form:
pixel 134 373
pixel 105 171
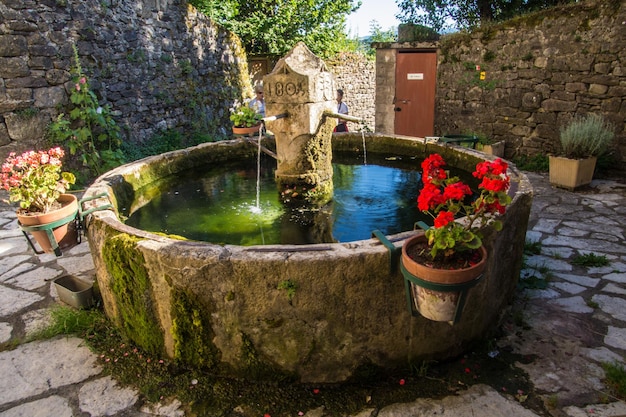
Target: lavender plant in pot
pixel 582 141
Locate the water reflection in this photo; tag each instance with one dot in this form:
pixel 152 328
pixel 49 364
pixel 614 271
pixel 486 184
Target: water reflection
pixel 222 205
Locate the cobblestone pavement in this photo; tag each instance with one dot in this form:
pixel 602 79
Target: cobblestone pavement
pixel 571 320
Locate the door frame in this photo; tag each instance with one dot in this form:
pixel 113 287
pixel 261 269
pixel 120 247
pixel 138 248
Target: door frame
pixel 415 92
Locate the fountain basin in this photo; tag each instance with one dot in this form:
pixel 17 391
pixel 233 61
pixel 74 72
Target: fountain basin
pixel 313 312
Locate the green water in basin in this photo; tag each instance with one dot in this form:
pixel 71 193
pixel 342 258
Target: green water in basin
pixel 218 205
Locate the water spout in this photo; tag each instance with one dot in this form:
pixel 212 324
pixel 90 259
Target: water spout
pixel 344 117
pixel 272 118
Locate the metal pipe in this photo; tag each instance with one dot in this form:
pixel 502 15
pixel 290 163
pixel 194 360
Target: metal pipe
pixel 343 116
pixel 272 118
pixel 263 148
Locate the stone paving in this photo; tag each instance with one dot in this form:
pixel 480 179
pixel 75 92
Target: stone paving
pixel 570 319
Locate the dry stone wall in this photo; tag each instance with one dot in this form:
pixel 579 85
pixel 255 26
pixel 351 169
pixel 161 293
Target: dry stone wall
pixel 539 71
pixel 161 65
pixel 356 76
pixel 158 63
pixel 354 73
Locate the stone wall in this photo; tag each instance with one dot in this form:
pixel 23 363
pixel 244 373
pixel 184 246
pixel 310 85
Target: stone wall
pixel 354 73
pixel 158 63
pixel 356 76
pixel 161 65
pixel 539 71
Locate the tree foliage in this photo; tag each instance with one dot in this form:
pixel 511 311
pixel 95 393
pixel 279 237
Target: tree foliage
pixel 442 15
pixel 376 34
pixel 274 26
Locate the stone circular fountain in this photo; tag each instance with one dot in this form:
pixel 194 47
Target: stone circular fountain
pixel 316 312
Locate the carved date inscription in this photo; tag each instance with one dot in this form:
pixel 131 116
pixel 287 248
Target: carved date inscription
pixel 280 89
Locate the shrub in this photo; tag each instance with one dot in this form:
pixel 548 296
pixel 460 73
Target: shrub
pixel 535 163
pixel 89 130
pixel 161 142
pixel 586 136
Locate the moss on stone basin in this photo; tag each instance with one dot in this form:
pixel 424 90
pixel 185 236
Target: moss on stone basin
pixel 228 308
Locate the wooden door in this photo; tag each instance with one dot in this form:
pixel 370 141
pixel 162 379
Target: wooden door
pixel 414 105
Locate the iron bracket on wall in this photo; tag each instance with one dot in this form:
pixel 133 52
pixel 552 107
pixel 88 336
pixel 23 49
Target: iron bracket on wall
pixel 394 260
pixel 78 217
pixel 462 289
pixel 48 229
pixel 394 253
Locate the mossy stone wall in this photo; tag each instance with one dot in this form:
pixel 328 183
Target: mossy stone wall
pixel 538 72
pixel 160 65
pixel 131 287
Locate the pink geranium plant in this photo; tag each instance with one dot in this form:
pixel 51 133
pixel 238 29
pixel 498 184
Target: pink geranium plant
pixel 34 179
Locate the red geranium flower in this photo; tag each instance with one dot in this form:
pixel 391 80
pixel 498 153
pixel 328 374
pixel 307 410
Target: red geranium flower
pixel 443 218
pixel 456 191
pixel 430 197
pixel 444 198
pixel 494 184
pixel 432 169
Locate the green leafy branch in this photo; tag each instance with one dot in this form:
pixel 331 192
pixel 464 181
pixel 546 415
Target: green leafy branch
pixel 89 131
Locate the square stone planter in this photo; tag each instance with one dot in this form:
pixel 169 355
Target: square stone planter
pixel 74 291
pixel 571 173
pixel 495 149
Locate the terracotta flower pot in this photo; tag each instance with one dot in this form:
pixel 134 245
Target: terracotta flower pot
pixel 246 130
pixel 64 235
pixel 437 294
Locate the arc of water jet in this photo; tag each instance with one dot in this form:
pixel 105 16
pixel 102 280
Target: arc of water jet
pixel 364 149
pixel 258 173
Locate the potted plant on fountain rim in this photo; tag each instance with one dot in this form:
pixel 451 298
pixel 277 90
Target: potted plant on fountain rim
pixel 245 120
pixel 582 140
pixel 34 179
pixel 451 253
